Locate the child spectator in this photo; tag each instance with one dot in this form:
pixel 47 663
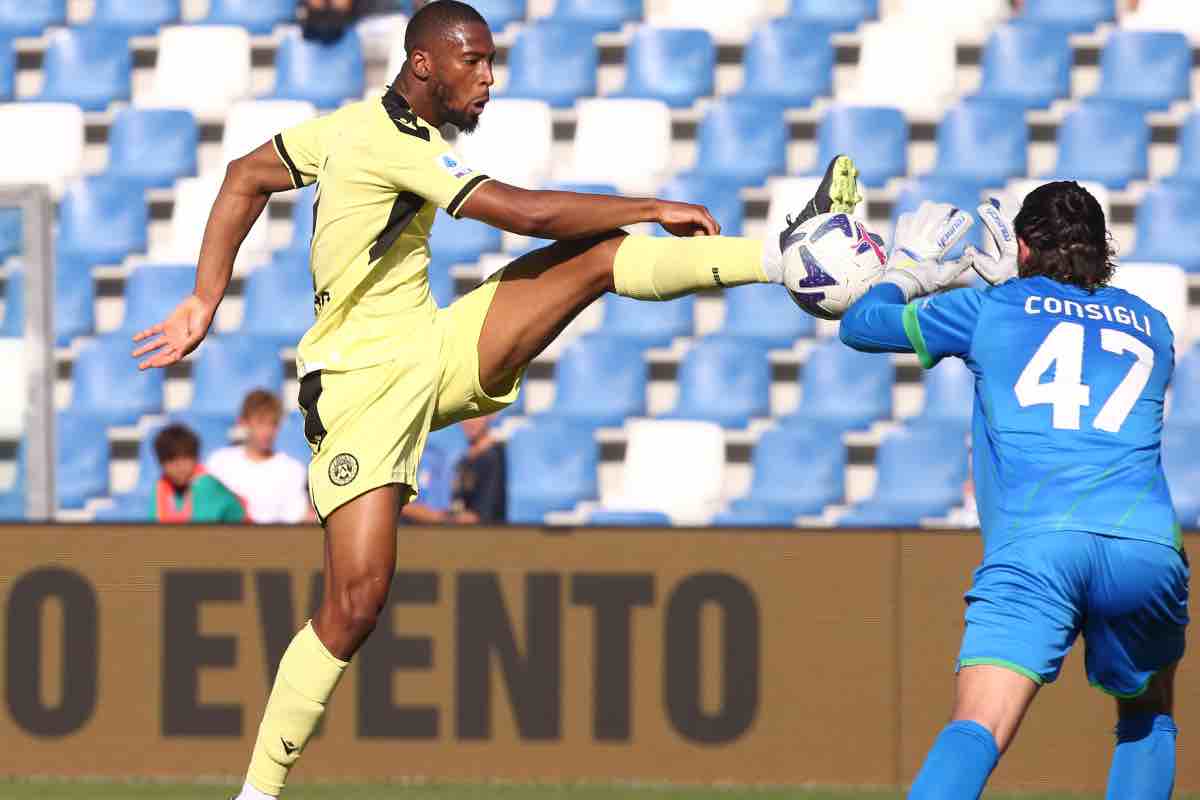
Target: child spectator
pixel 481 485
pixel 186 492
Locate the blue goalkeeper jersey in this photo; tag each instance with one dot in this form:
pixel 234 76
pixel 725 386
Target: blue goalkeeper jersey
pixel 1069 392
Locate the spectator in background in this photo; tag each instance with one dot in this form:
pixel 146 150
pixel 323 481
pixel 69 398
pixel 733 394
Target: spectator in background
pixel 432 505
pixel 273 485
pixel 186 492
pixel 480 485
pixel 326 20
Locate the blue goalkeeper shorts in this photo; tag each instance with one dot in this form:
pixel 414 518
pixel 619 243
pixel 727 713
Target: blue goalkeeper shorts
pixel 1030 599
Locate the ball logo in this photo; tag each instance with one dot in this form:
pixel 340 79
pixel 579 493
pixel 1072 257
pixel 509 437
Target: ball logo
pixel 343 469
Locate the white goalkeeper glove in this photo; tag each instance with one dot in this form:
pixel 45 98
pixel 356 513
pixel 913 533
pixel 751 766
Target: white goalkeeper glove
pixel 919 244
pixel 998 260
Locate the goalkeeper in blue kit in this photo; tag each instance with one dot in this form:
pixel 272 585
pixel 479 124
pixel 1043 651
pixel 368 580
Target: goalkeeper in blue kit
pixel 1079 534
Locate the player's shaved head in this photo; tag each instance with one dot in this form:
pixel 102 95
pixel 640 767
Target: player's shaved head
pixel 438 20
pixel 447 77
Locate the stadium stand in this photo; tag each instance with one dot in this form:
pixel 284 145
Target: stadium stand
pixel 213 431
pixel 101 365
pixel 672 466
pixel 325 75
pixel 456 241
pixel 154 147
pixel 102 220
pixel 840 15
pixel 1185 398
pixel 81 469
pixel 515 145
pixel 291 437
pixel 250 123
pixel 982 141
pixel 8 69
pixel 600 15
pixel 673 65
pixel 1104 141
pixel 1189 150
pixel 1166 226
pixel 227 368
pixel 19 18
pixel 186 75
pixel 551 467
pixel 622 141
pixel 256 16
pixel 1164 15
pixel 501 13
pixel 844 389
pixel 949 397
pixel 193 202
pixel 725 380
pixel 135 17
pixel 74 298
pixel 921 474
pixel 1076 15
pixel 799 469
pixel 1152 69
pixel 878 137
pixel 1181 461
pixel 554 61
pixel 788 62
pixel 151 292
pixel 965 194
pixel 907 62
pixel 89 67
pixel 1029 65
pixel 595 360
pixel 627 519
pixel 742 140
pixel 765 315
pixel 648 324
pixel 285 283
pixel 43 143
pixel 720 197
pixel 724 21
pixel 963 20
pixel 302 221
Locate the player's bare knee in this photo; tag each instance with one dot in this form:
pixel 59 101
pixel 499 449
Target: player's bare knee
pixel 359 602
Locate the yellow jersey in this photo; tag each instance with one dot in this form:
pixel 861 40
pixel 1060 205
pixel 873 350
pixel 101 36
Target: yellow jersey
pixel 381 172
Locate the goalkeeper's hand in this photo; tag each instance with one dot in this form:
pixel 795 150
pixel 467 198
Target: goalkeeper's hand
pixel 919 244
pixel 998 260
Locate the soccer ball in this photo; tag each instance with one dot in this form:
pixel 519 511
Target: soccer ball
pixel 829 262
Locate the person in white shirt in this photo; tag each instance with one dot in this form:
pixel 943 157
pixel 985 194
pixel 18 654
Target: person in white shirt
pixel 272 485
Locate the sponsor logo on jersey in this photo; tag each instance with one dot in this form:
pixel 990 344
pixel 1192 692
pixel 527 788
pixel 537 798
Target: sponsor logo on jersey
pixel 452 165
pixel 343 469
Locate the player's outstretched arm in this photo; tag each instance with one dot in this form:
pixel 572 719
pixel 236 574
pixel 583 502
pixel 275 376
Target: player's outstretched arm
pixel 569 215
pixel 249 182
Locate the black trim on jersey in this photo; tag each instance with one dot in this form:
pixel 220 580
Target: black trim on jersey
pixel 402 115
pixel 461 197
pixel 297 178
pixel 310 392
pixel 407 206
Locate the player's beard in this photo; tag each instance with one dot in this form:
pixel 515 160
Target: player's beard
pixel 461 119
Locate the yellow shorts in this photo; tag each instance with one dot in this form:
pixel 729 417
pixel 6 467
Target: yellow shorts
pixel 367 427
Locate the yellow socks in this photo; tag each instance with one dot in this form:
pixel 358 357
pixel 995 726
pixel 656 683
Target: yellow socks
pixel 307 676
pixel 663 268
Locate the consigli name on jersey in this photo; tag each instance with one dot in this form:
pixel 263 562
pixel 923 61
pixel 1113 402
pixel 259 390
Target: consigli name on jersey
pixel 1035 304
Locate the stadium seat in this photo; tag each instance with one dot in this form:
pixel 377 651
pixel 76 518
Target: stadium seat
pixel 500 13
pixel 600 15
pixel 593 360
pixel 553 61
pixel 673 466
pixel 441 284
pixel 213 430
pixel 732 22
pixel 1189 150
pixel 103 219
pixel 1185 389
pixel 12 326
pixel 14 400
pixel 788 63
pixel 135 17
pixel 290 440
pixel 152 291
pixel 1149 69
pixel 515 145
pixel 256 16
pixel 1075 15
pixel 878 138
pixel 626 142
pixel 8 69
pixel 74 301
pixel 766 315
pixel 648 324
pixel 251 123
pixel 843 389
pixel 227 368
pixel 798 469
pixel 551 467
pixel 841 15
pixel 921 472
pixel 126 508
pixel 1104 141
pixel 1163 286
pixel 1166 227
pixel 742 141
pixel 746 514
pixel 673 65
pixel 906 63
pixel 12 236
pixel 106 381
pixel 963 194
pixel 30 17
pixel 187 76
pixel 788 195
pixel 725 380
pixel 1181 462
pixel 1164 15
pixel 970 21
pixel 302 221
pixel 461 241
pixel 43 143
pixel 949 396
pixel 628 519
pixel 81 465
pixel 285 283
pixel 983 142
pixel 88 67
pixel 721 198
pixel 193 202
pixel 1029 65
pixel 325 75
pixel 154 147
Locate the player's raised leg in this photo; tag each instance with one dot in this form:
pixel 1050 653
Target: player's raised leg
pixel 1143 764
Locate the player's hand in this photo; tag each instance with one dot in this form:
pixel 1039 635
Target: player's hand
pixel 998 260
pixel 686 219
pixel 176 336
pixel 919 244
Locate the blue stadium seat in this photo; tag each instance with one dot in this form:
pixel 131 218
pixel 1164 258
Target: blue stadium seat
pixel 551 467
pixel 441 284
pixel 742 141
pixel 153 146
pixel 747 514
pixel 648 324
pixel 152 291
pixel 554 61
pixel 720 197
pixel 12 505
pixel 628 519
pixel 278 297
pixel 1076 15
pixel 1150 69
pixel 841 15
pixel 595 360
pixel 8 69
pixel 135 17
pixel 88 67
pixel 921 474
pixel 325 75
pixel 674 65
pixel 1185 389
pixel 1181 462
pixel 1168 226
pixel 290 440
pixel 1029 65
pixel 74 301
pixel 81 466
pixel 765 314
pixel 213 431
pixel 983 142
pixel 600 15
pixel 30 17
pixel 452 440
pixel 13 325
pixel 1189 150
pixel 500 13
pixel 724 380
pixel 256 16
pixel 798 469
pixel 105 380
pixel 129 507
pixel 935 188
pixel 789 63
pixel 230 367
pixel 11 235
pixel 458 241
pixel 103 219
pixel 1103 141
pixel 302 221
pixel 843 389
pixel 878 138
pixel 949 396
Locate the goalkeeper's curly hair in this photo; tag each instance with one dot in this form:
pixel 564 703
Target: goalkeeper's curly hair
pixel 1064 230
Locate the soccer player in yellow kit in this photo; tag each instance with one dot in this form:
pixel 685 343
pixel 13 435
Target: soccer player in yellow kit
pixel 382 365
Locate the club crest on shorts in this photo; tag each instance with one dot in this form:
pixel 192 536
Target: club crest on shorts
pixel 343 469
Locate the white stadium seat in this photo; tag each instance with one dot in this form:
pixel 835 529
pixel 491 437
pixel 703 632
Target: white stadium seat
pixel 725 21
pixel 193 201
pixel 203 68
pixel 973 20
pixel 252 122
pixel 513 144
pixel 622 141
pixel 43 143
pixel 14 399
pixel 789 195
pixel 673 466
pixel 1165 15
pixel 908 63
pixel 1163 286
